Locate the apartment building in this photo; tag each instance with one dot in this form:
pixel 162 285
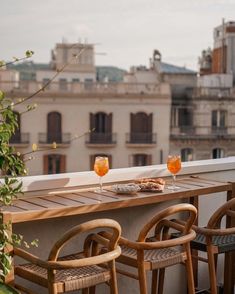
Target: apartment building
pixel 203 124
pixel 129 120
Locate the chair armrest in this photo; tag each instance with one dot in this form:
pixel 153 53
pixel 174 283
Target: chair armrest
pixel 31 258
pixel 157 244
pixel 66 264
pixel 210 232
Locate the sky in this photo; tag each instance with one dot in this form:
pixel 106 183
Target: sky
pixel 127 31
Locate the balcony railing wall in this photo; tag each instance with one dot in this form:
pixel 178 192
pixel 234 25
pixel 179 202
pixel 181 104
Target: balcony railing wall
pixel 20 138
pixel 202 131
pixel 141 138
pixel 59 138
pixel 91 87
pixel 213 92
pixel 101 138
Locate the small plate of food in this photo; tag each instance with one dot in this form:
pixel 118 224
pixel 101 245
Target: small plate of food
pixel 130 188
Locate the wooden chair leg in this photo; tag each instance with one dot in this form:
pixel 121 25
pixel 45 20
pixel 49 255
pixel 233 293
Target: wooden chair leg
pixel 52 289
pixel 189 269
pixel 92 290
pixel 154 281
pixel 161 280
pixel 212 272
pixel 113 280
pixel 142 279
pixel 229 274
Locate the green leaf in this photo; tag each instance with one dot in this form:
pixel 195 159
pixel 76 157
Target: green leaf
pixel 2 63
pixel 2 95
pixel 29 53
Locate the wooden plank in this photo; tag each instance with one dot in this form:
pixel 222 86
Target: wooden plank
pixel 203 182
pixel 59 199
pixel 97 196
pixel 12 208
pixel 26 205
pixel 81 199
pixel 179 184
pixel 210 181
pixel 43 202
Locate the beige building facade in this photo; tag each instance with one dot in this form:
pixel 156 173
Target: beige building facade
pixel 129 120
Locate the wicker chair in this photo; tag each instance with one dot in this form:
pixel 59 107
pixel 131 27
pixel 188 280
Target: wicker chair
pixel 215 240
pixel 76 271
pixel 157 252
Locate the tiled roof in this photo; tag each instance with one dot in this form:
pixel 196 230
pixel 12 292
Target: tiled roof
pixel 174 69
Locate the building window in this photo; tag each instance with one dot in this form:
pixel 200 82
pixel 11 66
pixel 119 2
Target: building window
pixel 75 80
pixel 141 159
pixel 101 126
pixel 54 130
pixel 54 164
pixel 217 153
pixel 187 154
pixel 63 85
pixel 93 156
pixel 141 128
pixel 88 84
pixel 218 118
pixel 182 118
pixel 185 117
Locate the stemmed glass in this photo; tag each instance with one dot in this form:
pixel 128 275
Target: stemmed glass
pixel 174 166
pixel 101 167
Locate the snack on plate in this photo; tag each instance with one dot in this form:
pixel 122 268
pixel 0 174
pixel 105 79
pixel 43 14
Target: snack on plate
pixel 151 185
pixel 130 188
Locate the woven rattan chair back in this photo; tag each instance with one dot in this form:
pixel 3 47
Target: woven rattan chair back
pixel 81 270
pixel 214 239
pixel 155 253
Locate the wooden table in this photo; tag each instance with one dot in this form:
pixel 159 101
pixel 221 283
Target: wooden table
pixel 82 201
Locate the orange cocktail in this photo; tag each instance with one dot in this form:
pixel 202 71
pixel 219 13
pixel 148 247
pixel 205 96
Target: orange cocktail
pixel 101 167
pixel 174 166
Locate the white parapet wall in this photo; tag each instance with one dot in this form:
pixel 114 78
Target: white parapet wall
pixel 69 180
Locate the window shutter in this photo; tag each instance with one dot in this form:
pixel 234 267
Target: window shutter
pixel 150 123
pixel 108 123
pixel 54 130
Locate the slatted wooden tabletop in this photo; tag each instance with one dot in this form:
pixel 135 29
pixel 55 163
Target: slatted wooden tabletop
pixel 65 203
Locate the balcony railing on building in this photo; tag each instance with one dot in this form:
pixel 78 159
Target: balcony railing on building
pixel 20 138
pixel 101 138
pixel 86 88
pixel 219 130
pixel 58 138
pixel 202 132
pixel 141 138
pixel 213 92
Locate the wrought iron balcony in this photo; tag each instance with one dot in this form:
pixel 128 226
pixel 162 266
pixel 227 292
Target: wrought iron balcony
pixel 183 130
pixel 59 138
pixel 101 138
pixel 141 138
pixel 20 138
pixel 218 130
